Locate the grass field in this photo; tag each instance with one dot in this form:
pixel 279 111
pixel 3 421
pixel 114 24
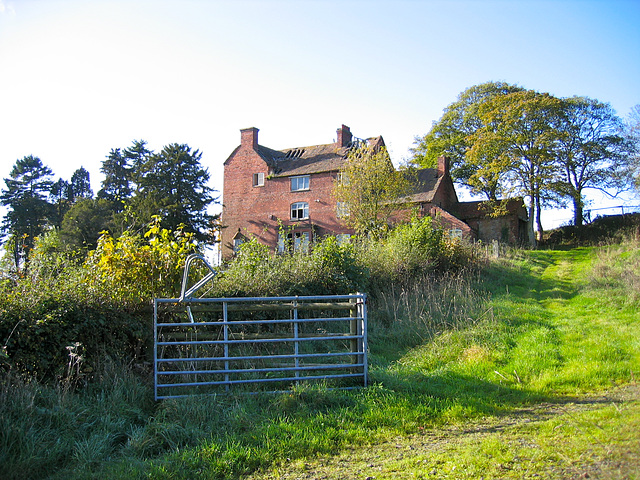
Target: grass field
pixel 524 369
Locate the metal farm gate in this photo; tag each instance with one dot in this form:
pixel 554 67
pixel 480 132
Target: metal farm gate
pixel 216 345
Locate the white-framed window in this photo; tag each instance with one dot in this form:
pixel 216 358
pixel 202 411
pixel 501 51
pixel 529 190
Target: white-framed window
pixel 342 209
pixel 258 179
pixel 301 241
pixel 300 183
pixel 294 241
pixel 282 242
pixel 342 178
pixel 343 238
pixel 299 211
pixel 455 233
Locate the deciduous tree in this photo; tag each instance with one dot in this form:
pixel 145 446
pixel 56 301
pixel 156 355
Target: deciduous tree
pixel 85 221
pixel 451 134
pixel 592 151
pixel 368 188
pixel 517 141
pixel 632 136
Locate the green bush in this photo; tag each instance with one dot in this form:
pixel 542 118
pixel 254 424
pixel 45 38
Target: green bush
pixel 330 268
pixel 409 252
pixel 102 304
pixel 133 269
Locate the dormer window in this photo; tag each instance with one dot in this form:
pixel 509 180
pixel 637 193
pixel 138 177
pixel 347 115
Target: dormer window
pixel 258 179
pixel 300 183
pixel 299 211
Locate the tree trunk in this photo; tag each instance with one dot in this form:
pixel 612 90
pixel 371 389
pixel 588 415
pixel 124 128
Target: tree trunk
pixel 539 229
pixel 577 210
pixel 531 234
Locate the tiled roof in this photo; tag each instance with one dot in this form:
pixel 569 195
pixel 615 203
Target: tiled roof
pixel 425 186
pixel 480 209
pixel 304 160
pixel 308 160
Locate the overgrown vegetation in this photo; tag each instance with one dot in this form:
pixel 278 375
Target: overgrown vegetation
pixel 451 340
pixel 138 184
pixel 103 301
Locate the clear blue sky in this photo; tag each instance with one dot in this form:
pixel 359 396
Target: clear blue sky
pixel 81 77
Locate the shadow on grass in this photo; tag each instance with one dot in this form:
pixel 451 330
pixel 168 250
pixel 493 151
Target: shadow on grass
pixel 545 274
pixel 230 436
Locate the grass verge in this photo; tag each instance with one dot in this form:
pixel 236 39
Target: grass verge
pixel 539 327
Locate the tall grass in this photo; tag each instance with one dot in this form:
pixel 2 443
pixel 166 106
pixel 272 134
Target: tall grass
pixel 444 348
pixel 47 428
pixel 410 313
pixel 617 270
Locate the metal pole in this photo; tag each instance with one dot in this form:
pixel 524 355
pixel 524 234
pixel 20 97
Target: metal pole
pixel 155 349
pixel 225 320
pixel 295 335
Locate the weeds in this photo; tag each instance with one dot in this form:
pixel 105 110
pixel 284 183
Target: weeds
pixel 445 349
pixel 617 270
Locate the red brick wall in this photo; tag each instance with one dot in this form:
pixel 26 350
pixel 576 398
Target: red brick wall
pixel 445 196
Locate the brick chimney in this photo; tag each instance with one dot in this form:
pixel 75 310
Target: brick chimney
pixel 344 136
pixel 443 165
pixel 249 137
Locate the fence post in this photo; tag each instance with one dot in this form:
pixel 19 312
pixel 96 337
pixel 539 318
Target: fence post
pixel 225 325
pixel 355 329
pixel 296 336
pixel 364 341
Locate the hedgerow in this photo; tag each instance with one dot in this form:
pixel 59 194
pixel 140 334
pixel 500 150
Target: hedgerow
pixel 103 302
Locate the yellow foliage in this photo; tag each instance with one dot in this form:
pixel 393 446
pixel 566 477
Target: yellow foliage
pixel 135 268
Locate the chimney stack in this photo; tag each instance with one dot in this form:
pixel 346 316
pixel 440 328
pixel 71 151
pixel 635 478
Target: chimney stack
pixel 249 137
pixel 344 136
pixel 443 165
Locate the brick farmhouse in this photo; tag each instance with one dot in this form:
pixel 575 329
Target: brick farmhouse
pixel 284 198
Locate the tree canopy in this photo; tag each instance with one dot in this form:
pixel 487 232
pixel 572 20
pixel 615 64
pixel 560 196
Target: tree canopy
pixel 632 136
pixel 25 195
pixel 515 146
pixel 591 151
pixel 138 185
pixel 449 136
pixel 367 188
pixel 504 140
pixel 175 185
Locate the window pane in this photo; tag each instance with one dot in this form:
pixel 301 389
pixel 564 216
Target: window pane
pixel 299 211
pixel 342 210
pixel 258 179
pixel 301 243
pixel 342 178
pixel 455 233
pixel 300 183
pixel 343 238
pixel 282 242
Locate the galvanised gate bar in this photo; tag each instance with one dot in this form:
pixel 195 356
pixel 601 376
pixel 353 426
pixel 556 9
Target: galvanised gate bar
pixel 217 345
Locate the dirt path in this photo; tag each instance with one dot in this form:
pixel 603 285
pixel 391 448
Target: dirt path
pixel 430 454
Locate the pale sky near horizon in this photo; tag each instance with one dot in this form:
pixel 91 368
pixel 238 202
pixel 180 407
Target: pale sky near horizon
pixel 82 77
